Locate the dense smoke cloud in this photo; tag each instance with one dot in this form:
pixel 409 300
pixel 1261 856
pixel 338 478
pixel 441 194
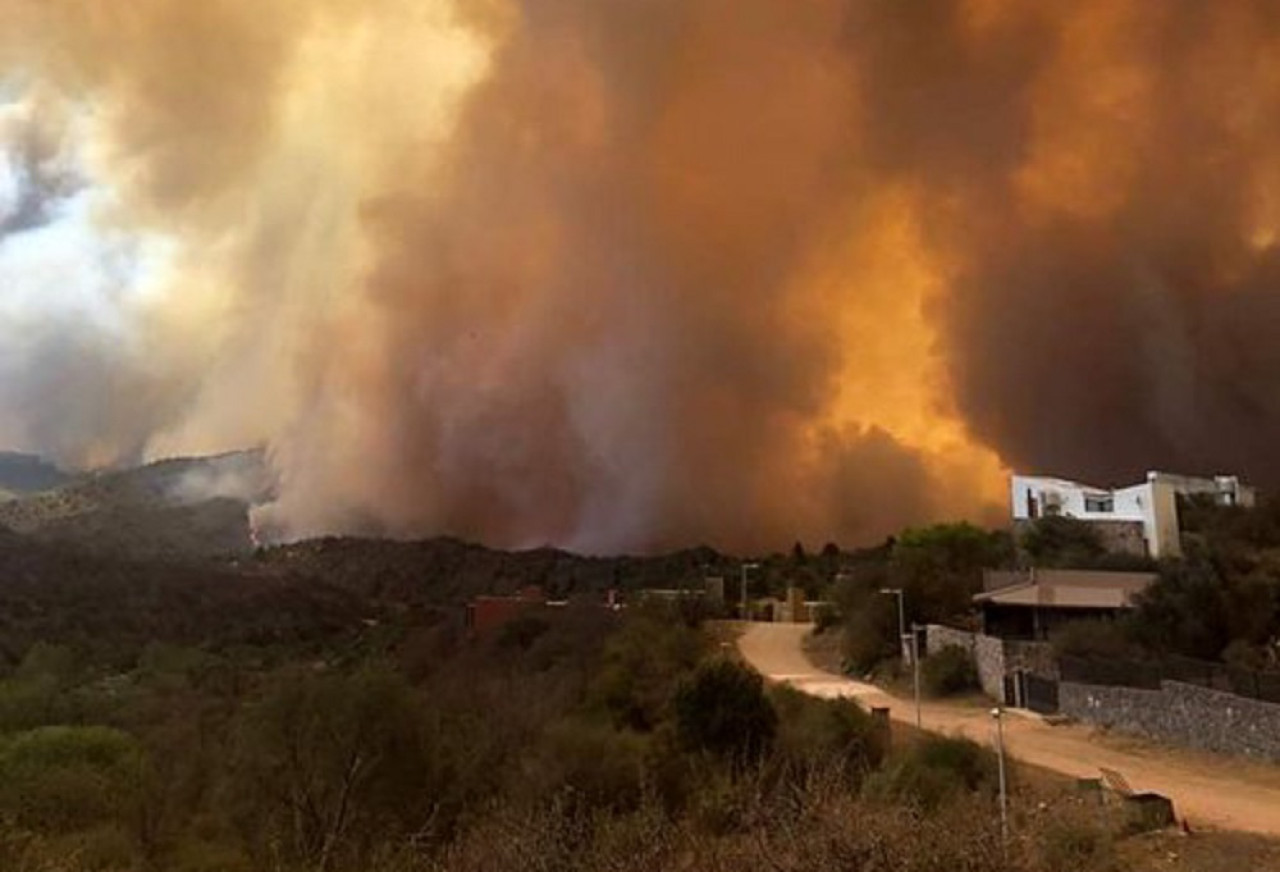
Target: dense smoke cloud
pixel 619 275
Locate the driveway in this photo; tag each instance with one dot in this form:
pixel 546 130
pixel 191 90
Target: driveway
pixel 1218 791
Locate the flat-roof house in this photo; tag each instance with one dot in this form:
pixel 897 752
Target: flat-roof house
pixel 1140 519
pixel 1029 604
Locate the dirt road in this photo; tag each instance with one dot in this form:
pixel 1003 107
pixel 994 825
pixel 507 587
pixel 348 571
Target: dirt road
pixel 1209 790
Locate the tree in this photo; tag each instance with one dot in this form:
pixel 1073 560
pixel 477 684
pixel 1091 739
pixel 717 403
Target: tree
pixel 325 761
pixel 1060 541
pixel 60 779
pixel 1184 611
pixel 641 664
pixel 940 567
pixel 722 709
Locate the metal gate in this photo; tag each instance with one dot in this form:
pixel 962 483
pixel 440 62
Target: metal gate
pixel 1039 694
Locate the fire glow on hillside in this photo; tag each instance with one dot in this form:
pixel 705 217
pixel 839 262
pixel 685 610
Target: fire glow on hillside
pixel 623 275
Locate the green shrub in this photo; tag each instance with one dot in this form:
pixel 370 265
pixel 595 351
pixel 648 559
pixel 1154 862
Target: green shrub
pixel 934 770
pixel 597 766
pixel 1071 845
pixel 722 709
pixel 833 735
pixel 326 764
pixel 870 637
pixel 825 617
pixel 521 632
pixel 1056 540
pixel 60 779
pixel 949 672
pixel 641 665
pixel 1095 638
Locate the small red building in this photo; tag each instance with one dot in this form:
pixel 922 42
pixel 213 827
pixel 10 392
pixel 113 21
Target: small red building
pixel 487 613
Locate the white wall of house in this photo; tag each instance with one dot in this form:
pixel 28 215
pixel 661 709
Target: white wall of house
pixel 1153 502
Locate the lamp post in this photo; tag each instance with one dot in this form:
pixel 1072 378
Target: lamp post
pixel 903 642
pixel 745 567
pixel 997 714
pixel 902 610
pixel 915 671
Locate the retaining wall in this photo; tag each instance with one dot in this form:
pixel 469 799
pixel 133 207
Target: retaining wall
pixel 994 658
pixel 987 652
pixel 1183 714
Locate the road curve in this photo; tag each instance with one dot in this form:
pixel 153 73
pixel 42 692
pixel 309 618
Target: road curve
pixel 1207 789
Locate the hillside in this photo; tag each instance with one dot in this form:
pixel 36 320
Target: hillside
pixel 113 608
pixel 174 509
pixel 27 473
pixel 449 571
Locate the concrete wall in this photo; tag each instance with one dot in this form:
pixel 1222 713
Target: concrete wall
pixel 994 658
pixel 987 652
pixel 1183 714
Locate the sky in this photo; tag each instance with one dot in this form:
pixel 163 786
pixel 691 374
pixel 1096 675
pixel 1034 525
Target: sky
pixel 630 276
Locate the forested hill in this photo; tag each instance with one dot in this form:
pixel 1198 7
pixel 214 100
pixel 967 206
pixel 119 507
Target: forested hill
pixel 447 570
pixel 27 473
pixel 112 608
pixel 176 509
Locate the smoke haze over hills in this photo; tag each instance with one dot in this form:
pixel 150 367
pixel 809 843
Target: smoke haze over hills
pixel 614 275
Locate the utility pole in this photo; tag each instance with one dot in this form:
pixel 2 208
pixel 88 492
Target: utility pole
pixel 997 715
pixel 910 645
pixel 745 567
pixel 915 665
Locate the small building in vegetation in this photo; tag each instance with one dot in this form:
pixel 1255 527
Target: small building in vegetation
pixel 1141 519
pixel 1029 604
pixel 487 613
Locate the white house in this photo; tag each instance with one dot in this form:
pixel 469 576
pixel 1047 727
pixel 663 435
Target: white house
pixel 1148 510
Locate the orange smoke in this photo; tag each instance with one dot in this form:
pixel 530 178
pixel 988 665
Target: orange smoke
pixel 629 276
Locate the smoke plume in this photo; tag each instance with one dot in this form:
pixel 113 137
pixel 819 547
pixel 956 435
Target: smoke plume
pixel 621 275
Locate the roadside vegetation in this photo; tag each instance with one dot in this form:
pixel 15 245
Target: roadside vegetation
pixel 582 739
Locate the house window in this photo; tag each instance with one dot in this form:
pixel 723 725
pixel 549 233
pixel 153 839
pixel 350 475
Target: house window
pixel 1099 503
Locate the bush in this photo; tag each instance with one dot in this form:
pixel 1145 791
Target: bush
pixel 1095 638
pixel 594 765
pixel 1056 540
pixel 949 672
pixel 870 637
pixel 60 779
pixel 329 763
pixel 833 735
pixel 825 617
pixel 1068 846
pixel 641 665
pixel 722 709
pixel 934 770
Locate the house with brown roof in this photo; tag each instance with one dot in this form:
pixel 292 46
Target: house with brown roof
pixel 1029 604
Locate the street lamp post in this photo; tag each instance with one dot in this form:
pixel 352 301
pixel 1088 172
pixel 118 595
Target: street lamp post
pixel 915 671
pixel 903 641
pixel 902 610
pixel 745 567
pixel 997 715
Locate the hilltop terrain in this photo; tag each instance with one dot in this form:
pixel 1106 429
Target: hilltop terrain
pixel 177 509
pixel 27 473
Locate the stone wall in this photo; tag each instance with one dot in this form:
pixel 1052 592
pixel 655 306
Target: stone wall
pixel 1117 537
pixel 1183 714
pixel 987 652
pixel 994 658
pixel 1121 537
